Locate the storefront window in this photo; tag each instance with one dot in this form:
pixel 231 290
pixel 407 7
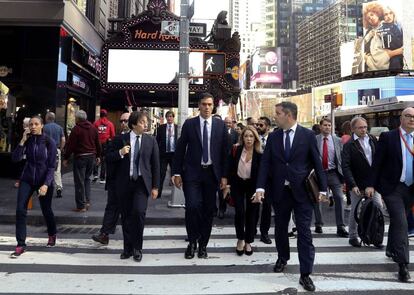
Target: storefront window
pixel 5 124
pixel 70 118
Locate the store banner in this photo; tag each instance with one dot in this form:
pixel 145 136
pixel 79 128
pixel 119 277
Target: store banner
pixel 387 39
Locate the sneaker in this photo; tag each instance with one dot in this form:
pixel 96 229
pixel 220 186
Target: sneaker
pixel 52 241
pixel 411 233
pixel 102 181
pixel 95 179
pixel 18 251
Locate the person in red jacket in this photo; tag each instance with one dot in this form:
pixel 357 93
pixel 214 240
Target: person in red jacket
pixel 83 143
pixel 106 131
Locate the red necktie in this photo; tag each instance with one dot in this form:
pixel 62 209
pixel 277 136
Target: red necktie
pixel 325 154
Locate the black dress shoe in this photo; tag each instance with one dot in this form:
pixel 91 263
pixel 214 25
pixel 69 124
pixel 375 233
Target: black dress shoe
pixel 318 229
pixel 125 255
pixel 354 242
pixel 101 238
pixel 331 201
pixel 403 274
pixel 265 239
pixel 389 254
pixel 279 265
pixel 137 255
pixel 202 252
pixel 248 253
pixel 239 252
pixel 190 252
pixel 307 283
pixel 341 232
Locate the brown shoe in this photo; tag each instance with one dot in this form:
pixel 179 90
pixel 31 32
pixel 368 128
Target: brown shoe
pixel 79 210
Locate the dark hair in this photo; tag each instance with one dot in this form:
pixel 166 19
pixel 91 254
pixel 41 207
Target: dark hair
pixel 205 95
pixel 316 128
pixel 169 113
pixel 37 117
pixel 325 120
pixel 346 127
pixel 240 125
pixel 289 107
pixel 135 117
pixel 266 120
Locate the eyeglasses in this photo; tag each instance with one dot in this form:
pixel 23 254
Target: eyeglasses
pixel 409 117
pixel 123 121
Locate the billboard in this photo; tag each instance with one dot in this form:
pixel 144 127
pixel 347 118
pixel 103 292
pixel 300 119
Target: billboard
pixel 150 66
pixel 387 41
pixel 267 66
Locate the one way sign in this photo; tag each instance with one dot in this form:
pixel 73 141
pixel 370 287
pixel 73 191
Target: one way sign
pixel 173 28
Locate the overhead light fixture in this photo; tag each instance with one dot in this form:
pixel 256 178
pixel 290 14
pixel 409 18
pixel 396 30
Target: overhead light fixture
pixel 151 91
pixel 192 92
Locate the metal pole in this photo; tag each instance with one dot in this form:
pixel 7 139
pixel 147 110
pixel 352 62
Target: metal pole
pixel 183 88
pixel 333 99
pixel 177 195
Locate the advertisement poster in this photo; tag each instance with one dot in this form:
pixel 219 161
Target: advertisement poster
pixel 387 41
pixel 267 66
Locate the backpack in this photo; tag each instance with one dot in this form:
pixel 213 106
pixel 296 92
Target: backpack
pixel 370 221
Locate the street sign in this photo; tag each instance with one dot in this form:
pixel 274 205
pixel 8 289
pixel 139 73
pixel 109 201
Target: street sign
pixel 173 28
pixel 214 63
pixel 198 30
pixel 170 28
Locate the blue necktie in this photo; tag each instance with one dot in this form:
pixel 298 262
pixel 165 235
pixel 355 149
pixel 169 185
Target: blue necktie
pixel 205 143
pixel 135 165
pixel 287 144
pixel 409 161
pixel 169 139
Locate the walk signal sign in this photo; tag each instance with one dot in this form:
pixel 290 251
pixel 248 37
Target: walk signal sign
pixel 214 63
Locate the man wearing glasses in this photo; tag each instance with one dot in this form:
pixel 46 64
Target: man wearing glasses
pixel 393 179
pixel 112 210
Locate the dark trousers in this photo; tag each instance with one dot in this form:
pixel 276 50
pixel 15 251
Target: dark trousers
pixel 303 217
pixel 112 210
pixel 399 202
pixel 23 196
pixel 102 175
pixel 222 202
pixel 134 206
pixel 82 171
pixel 335 185
pixel 246 211
pixel 200 204
pixel 165 160
pixel 265 216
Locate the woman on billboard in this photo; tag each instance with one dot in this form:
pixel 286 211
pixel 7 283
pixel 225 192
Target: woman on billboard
pixel 378 46
pixel 392 36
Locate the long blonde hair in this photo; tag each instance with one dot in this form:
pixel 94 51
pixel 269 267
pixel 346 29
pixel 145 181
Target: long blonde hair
pixel 257 145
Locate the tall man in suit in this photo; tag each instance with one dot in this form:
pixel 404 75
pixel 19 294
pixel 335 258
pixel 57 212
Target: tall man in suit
pixel 330 149
pixel 393 179
pixel 291 153
pixel 167 139
pixel 137 175
pixel 198 166
pixel 357 156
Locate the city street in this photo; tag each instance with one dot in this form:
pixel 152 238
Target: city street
pixel 78 265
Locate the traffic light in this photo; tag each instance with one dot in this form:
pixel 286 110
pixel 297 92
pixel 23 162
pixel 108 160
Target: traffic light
pixel 338 99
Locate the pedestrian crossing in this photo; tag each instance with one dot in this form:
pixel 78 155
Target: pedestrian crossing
pixel 78 265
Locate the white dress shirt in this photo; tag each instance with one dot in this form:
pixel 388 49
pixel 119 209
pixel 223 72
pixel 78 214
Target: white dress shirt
pixel 209 123
pixel 364 142
pixel 404 151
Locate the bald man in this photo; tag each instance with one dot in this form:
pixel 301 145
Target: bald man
pixel 393 179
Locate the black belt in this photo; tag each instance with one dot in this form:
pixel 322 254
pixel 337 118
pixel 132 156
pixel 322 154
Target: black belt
pixel 205 166
pixel 132 179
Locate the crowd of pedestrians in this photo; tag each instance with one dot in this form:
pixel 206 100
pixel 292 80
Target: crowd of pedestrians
pixel 215 162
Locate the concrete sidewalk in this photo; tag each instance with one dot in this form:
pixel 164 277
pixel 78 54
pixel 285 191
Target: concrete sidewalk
pixel 158 212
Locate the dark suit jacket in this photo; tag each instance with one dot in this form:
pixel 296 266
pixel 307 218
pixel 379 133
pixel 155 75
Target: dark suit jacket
pixel 355 165
pixel 233 139
pixel 388 162
pixel 149 162
pixel 189 150
pixel 233 164
pixel 162 138
pixel 304 157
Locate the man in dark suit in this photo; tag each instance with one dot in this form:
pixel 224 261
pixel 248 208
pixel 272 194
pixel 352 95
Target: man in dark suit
pixel 166 138
pixel 393 179
pixel 330 148
pixel 290 155
pixel 199 166
pixel 137 171
pixel 357 156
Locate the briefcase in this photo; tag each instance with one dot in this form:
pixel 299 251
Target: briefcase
pixel 312 186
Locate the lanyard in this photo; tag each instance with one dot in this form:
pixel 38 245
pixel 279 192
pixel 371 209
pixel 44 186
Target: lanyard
pixel 406 143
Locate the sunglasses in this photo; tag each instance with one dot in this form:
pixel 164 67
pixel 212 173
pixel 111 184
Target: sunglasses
pixel 259 125
pixel 123 121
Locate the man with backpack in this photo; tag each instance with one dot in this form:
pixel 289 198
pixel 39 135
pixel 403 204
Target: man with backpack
pixel 393 179
pixel 357 156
